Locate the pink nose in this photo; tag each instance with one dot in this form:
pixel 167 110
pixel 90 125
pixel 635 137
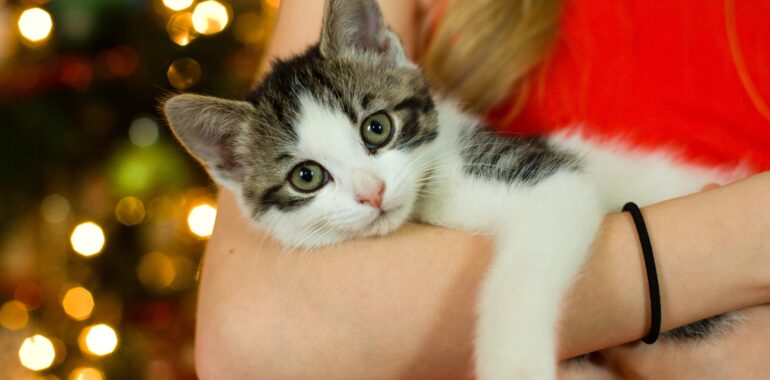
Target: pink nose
pixel 373 195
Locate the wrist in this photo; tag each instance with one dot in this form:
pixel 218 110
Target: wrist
pixel 756 200
pixel 764 222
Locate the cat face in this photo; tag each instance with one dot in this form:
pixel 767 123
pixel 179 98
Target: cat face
pixel 333 143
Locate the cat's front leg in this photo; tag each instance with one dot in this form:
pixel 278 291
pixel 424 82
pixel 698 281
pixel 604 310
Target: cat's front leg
pixel 543 239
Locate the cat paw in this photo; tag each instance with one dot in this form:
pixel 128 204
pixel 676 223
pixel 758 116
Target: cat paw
pixel 530 359
pixel 529 369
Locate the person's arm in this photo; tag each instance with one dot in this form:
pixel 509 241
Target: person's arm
pixel 403 305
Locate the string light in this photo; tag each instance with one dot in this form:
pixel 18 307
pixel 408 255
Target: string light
pixel 244 28
pixel 35 24
pixel 162 210
pixel 143 132
pixel 210 17
pixel 30 293
pixel 201 220
pixel 177 5
pixel 37 353
pixel 184 73
pixel 180 29
pixel 130 211
pixel 78 303
pixel 54 208
pixel 86 373
pixel 156 271
pixel 99 340
pixel 87 239
pixel 14 315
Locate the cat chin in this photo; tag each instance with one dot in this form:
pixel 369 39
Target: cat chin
pixel 380 226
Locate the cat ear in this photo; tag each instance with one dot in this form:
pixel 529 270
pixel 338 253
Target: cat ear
pixel 358 26
pixel 208 127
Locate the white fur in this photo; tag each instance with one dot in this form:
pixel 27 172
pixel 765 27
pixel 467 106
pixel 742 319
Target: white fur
pixel 327 136
pixel 543 232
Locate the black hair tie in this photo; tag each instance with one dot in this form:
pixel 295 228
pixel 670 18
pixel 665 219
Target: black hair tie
pixel 652 273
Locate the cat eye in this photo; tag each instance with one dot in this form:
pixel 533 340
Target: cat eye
pixel 376 130
pixel 308 177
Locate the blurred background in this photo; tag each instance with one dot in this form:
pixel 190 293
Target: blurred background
pixel 103 216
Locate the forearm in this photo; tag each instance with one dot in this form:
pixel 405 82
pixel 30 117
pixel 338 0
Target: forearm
pixel 712 251
pixel 398 307
pixel 405 304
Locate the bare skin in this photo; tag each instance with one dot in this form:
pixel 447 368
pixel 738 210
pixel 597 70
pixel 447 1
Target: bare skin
pixel 402 306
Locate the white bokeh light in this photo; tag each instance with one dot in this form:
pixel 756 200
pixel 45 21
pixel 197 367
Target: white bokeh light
pixel 201 220
pixel 35 24
pixel 87 239
pixel 177 5
pixel 37 353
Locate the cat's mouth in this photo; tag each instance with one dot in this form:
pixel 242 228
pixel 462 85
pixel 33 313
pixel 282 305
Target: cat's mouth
pixel 386 221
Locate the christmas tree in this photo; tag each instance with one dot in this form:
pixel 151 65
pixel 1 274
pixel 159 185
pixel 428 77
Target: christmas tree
pixel 103 216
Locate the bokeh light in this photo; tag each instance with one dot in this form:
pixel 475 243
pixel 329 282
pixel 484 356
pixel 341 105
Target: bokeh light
pixel 37 353
pixel 87 239
pixel 163 210
pixel 156 271
pixel 177 5
pixel 210 17
pixel 130 211
pixel 14 315
pixel 248 28
pixel 201 219
pixel 35 24
pixel 184 73
pixel 78 303
pixel 143 132
pixel 99 340
pixel 30 293
pixel 86 373
pixel 180 29
pixel 54 208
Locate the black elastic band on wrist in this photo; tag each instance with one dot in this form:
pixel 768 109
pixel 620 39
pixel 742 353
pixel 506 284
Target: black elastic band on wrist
pixel 652 273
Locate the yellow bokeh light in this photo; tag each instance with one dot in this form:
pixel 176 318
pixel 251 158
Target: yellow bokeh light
pixel 177 5
pixel 86 373
pixel 201 220
pixel 210 17
pixel 87 239
pixel 273 3
pixel 156 271
pixel 13 315
pixel 130 211
pixel 98 340
pixel 78 303
pixel 250 27
pixel 35 24
pixel 37 353
pixel 55 208
pixel 180 29
pixel 184 73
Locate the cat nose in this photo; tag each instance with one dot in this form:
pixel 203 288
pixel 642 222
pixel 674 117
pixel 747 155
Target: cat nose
pixel 373 196
pixel 368 188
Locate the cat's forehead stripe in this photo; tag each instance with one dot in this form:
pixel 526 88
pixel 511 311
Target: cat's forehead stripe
pixel 326 83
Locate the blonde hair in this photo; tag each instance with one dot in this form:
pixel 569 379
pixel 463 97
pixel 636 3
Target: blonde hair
pixel 483 49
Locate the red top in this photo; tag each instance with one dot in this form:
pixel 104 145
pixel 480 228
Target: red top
pixel 688 74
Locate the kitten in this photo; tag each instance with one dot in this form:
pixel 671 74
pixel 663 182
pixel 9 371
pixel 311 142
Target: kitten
pixel 347 140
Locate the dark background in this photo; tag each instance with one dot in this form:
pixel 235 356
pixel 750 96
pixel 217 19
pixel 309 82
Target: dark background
pixel 78 116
